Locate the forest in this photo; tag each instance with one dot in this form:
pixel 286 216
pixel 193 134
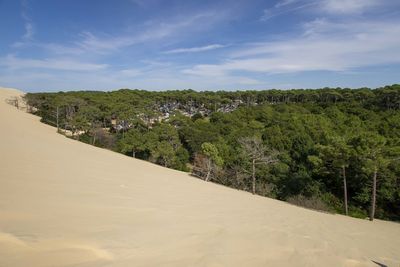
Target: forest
pixel 331 149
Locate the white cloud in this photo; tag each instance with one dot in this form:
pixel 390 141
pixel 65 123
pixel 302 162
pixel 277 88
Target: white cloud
pixel 283 3
pixel 327 46
pixel 150 31
pixel 89 43
pixel 76 62
pixel 347 6
pixel 329 7
pixel 285 7
pixel 322 44
pixel 207 70
pixel 194 49
pixel 12 62
pixel 60 49
pixel 245 80
pixel 131 72
pixel 29 28
pixel 29 31
pixel 109 79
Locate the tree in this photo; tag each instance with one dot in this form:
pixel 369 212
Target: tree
pixel 181 159
pixel 79 124
pixel 371 148
pixel 127 116
pixel 133 142
pixel 164 153
pixel 59 102
pixel 95 131
pixel 213 158
pixel 338 152
pixel 257 153
pixel 168 133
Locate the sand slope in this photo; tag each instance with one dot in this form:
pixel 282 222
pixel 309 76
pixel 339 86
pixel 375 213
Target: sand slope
pixel 64 203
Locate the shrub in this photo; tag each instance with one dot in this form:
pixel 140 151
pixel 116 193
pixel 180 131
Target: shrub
pixel 357 212
pixel 313 202
pixel 333 202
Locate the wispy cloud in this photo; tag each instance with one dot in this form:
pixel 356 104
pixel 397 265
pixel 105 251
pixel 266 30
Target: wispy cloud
pixel 327 46
pixel 195 49
pixel 61 49
pixel 14 63
pixel 131 72
pixel 331 37
pixel 151 31
pixel 29 31
pixel 29 28
pixel 283 3
pixel 328 7
pixel 28 25
pixel 284 7
pixel 348 6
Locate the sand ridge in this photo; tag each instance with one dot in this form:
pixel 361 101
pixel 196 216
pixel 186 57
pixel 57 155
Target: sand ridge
pixel 65 203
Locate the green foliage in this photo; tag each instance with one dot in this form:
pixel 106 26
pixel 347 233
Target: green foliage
pixel 133 142
pixel 181 159
pixel 164 153
pixel 357 212
pixel 211 152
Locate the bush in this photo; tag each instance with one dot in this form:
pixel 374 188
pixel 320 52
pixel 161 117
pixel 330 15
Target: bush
pixel 313 202
pixel 266 190
pixel 357 212
pixel 333 202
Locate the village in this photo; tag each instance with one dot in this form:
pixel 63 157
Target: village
pixel 163 112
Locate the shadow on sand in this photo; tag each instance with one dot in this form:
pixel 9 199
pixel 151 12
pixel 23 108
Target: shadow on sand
pixel 379 264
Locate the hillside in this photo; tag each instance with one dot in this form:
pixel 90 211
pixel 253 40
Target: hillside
pixel 65 203
pixel 327 143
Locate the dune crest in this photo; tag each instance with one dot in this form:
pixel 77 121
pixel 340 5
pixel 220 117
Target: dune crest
pixel 65 203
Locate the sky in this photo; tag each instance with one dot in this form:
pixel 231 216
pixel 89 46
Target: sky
pixel 53 45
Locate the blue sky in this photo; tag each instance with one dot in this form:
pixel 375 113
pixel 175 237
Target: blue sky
pixel 51 45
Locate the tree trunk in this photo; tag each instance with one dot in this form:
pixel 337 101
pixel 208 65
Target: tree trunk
pixel 58 126
pixel 208 170
pixel 254 175
pixel 373 196
pixel 346 209
pixel 65 122
pixel 133 154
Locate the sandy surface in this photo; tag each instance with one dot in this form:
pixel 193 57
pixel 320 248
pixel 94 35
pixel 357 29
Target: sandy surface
pixel 64 203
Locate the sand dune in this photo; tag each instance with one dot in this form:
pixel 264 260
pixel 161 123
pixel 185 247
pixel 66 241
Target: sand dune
pixel 64 203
